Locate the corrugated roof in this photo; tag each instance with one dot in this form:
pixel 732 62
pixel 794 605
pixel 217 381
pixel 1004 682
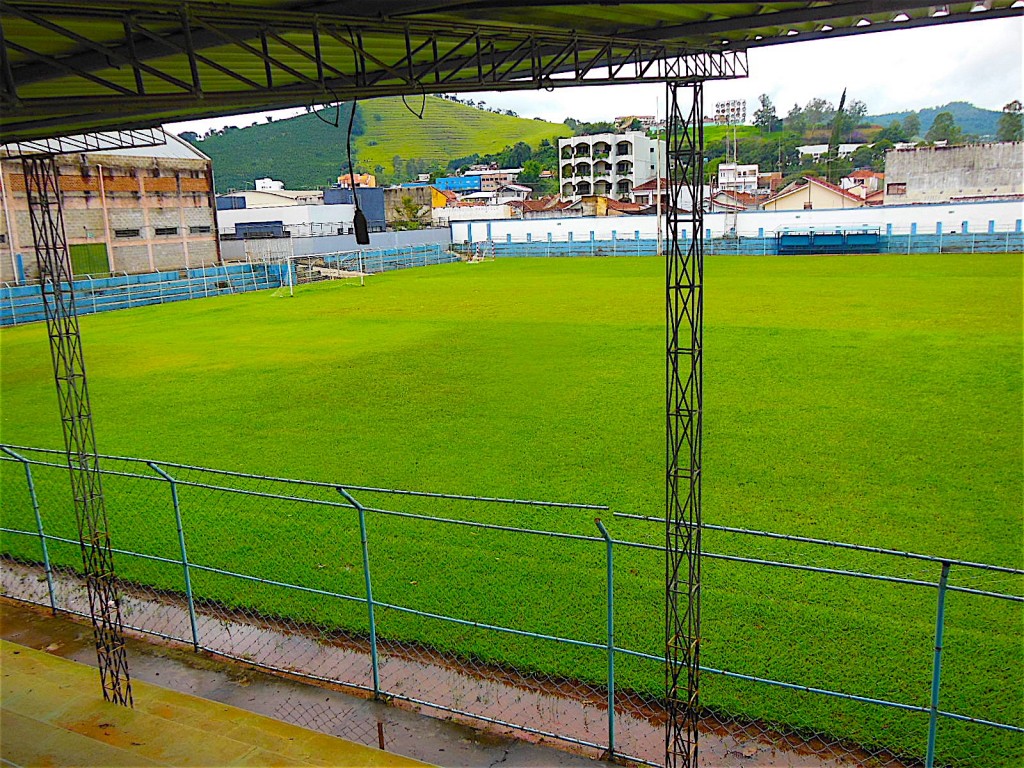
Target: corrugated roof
pixel 71 67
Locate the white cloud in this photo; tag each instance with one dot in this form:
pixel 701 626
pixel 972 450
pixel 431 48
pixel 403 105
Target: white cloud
pixel 975 61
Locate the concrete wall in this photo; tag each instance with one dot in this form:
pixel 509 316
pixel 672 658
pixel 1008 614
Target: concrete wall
pixel 234 250
pixel 936 174
pixel 421 196
pixel 1004 216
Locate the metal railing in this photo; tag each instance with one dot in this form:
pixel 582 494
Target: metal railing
pixel 23 303
pixel 465 605
pixel 749 244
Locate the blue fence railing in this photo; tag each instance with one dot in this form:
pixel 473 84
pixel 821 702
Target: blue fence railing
pixel 860 653
pixel 24 304
pixel 753 245
pixel 21 304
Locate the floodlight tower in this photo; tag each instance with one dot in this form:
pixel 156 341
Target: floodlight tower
pixel 684 274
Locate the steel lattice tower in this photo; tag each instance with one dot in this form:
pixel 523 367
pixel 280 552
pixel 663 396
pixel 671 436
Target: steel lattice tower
pixel 57 285
pixel 684 270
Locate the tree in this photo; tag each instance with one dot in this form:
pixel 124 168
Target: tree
pixel 796 120
pixel 839 122
pixel 911 125
pixel 190 136
pixel 893 133
pixel 1011 126
pixel 818 112
pixel 765 116
pixel 944 128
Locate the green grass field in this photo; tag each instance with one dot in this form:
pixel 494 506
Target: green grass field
pixel 868 399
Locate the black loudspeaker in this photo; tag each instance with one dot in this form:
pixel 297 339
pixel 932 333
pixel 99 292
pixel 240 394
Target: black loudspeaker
pixel 362 230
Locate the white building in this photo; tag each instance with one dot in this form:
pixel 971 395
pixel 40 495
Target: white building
pixel 608 163
pixel 300 213
pixel 733 177
pixel 268 185
pixel 818 151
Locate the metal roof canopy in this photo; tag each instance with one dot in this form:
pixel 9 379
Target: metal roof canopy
pixel 76 66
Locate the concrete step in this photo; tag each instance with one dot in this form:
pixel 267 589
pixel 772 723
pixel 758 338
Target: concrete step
pixel 53 705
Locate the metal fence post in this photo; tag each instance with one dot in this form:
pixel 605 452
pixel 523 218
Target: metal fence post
pixel 184 553
pixel 39 525
pixel 610 582
pixel 369 590
pixel 937 666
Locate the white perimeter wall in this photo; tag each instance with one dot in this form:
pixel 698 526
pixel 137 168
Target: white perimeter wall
pixel 287 214
pixel 444 216
pixel 1005 215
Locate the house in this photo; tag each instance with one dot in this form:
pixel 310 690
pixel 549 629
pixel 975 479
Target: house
pixel 552 207
pixel 646 121
pixel 458 183
pixel 733 177
pixel 510 192
pixel 871 181
pixel 769 182
pixel 268 185
pixel 362 180
pixel 812 194
pixel 602 205
pixel 610 164
pixel 973 172
pixel 724 200
pixel 125 210
pixel 818 151
pixel 491 179
pixel 647 194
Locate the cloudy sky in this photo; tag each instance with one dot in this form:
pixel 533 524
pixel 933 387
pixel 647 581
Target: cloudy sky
pixel 977 61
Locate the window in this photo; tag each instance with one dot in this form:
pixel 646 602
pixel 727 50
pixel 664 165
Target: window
pixel 198 230
pixel 899 188
pixel 166 230
pixel 126 233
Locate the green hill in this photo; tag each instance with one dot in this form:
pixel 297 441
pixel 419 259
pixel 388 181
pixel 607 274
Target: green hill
pixel 308 151
pixel 971 119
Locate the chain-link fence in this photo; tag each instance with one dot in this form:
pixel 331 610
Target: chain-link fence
pixel 746 244
pixel 531 616
pixel 347 264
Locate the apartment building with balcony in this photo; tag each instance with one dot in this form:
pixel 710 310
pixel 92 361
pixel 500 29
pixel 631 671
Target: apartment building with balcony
pixel 608 164
pixel 733 177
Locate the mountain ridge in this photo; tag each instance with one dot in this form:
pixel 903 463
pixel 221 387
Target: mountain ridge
pixel 390 140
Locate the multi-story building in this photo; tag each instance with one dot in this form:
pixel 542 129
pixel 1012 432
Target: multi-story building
pixel 608 164
pixel 733 111
pixel 493 179
pixel 733 177
pixel 126 210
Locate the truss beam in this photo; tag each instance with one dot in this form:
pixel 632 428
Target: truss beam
pixel 51 248
pixel 202 59
pixel 684 276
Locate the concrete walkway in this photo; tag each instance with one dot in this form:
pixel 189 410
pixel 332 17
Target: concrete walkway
pixel 240 708
pixel 52 714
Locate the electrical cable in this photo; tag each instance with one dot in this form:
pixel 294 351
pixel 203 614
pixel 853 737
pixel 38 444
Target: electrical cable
pixel 359 219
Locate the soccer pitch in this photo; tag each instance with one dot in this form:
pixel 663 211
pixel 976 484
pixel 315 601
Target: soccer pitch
pixel 873 399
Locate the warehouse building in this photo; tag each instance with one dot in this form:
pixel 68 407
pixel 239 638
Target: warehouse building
pixel 130 210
